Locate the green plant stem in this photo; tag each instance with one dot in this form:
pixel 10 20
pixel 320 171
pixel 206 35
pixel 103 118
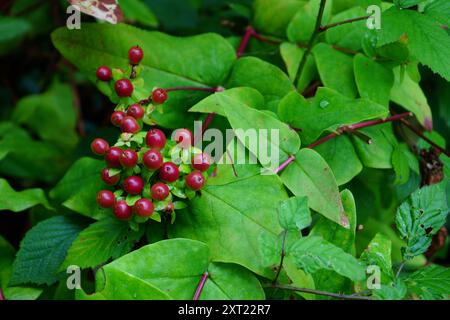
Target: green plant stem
pixel 283 254
pixel 400 268
pixel 319 292
pixel 311 40
pixel 340 23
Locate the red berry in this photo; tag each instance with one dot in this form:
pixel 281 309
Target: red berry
pixel 112 157
pixel 184 138
pixel 124 87
pixel 129 125
pixel 169 172
pixel 135 54
pixel 105 198
pixel 152 159
pixel 201 162
pixel 195 180
pixel 159 191
pixel 128 158
pixel 136 111
pixel 155 138
pixel 122 210
pixel 110 180
pixel 133 185
pixel 99 146
pixel 169 208
pixel 159 95
pixel 104 73
pixel 143 207
pixel 117 118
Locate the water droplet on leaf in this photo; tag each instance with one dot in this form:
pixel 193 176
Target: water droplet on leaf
pixel 323 104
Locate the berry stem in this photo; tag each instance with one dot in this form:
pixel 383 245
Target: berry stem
pixel 331 25
pixel 209 118
pixel 201 285
pixel 319 292
pixel 209 89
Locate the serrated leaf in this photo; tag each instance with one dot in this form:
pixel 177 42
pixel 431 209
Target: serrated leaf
pixel 407 3
pixel 151 273
pixel 43 250
pixel 420 217
pixel 392 291
pixel 378 253
pixel 102 240
pixel 438 10
pixel 313 253
pixel 432 282
pixel 310 176
pixel 294 213
pixel 20 200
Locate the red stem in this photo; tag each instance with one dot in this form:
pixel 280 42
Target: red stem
pixel 284 164
pixel 2 297
pixel 244 42
pixel 209 118
pixel 201 285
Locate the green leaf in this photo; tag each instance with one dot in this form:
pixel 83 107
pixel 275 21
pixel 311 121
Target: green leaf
pixel 231 217
pixel 20 201
pixel 51 115
pixel 136 10
pixel 410 96
pixel 273 16
pixel 313 253
pixel 374 81
pixel 294 213
pixel 341 237
pixel 77 189
pixel 378 253
pixel 432 282
pixel 245 120
pixel 426 39
pixel 242 95
pixel 43 250
pixel 420 217
pixel 327 112
pixel 151 273
pixel 102 240
pixel 400 164
pixel 310 176
pixel 407 3
pixel 292 55
pixel 268 79
pixel 335 69
pixel 392 291
pixel 12 31
pixel 439 10
pixel 168 61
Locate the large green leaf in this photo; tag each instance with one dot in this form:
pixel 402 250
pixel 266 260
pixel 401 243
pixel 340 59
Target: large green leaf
pixel 438 10
pixel 43 250
pixel 294 213
pixel 172 269
pixel 427 40
pixel 327 112
pixel 348 35
pixel 314 253
pixel 77 189
pixel 168 61
pixel 420 217
pixel 335 69
pixel 19 201
pixel 104 239
pixel 432 282
pixel 231 217
pixel 309 175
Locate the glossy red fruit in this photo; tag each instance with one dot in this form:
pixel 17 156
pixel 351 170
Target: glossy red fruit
pixel 99 146
pixel 169 172
pixel 122 210
pixel 129 125
pixel 195 180
pixel 159 95
pixel 128 158
pixel 104 73
pixel 159 191
pixel 143 207
pixel 136 111
pixel 135 55
pixel 112 157
pixel 133 185
pixel 105 198
pixel 155 138
pixel 123 87
pixel 152 159
pixel 184 138
pixel 110 180
pixel 117 118
pixel 201 162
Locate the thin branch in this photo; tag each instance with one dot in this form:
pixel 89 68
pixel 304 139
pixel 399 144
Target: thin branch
pixel 284 164
pixel 319 292
pixel 312 39
pixel 283 254
pixel 209 118
pixel 400 268
pixel 201 285
pixel 266 39
pixel 244 42
pixel 340 23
